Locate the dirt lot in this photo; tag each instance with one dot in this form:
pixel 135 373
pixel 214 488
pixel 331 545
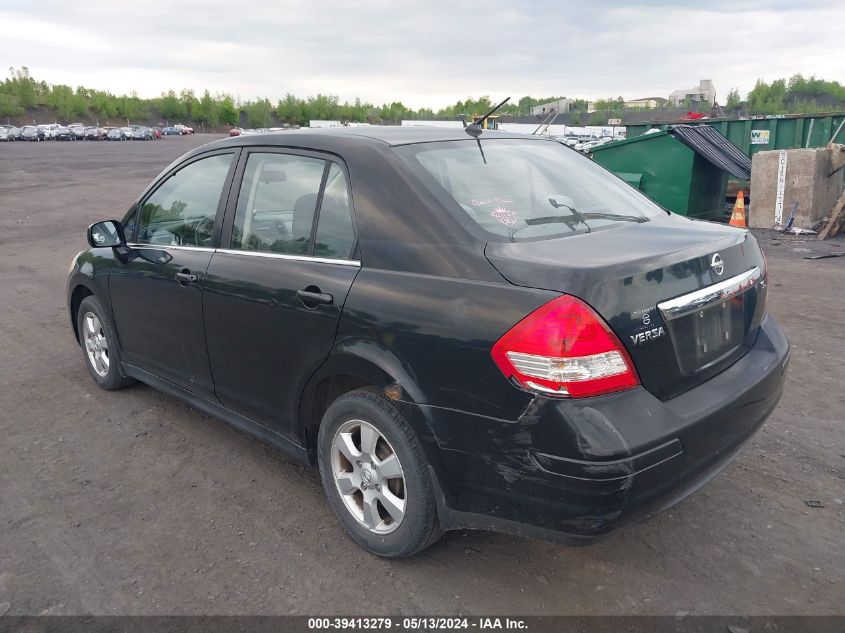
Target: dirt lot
pixel 133 503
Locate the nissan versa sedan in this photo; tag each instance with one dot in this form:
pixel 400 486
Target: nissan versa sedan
pixel 460 330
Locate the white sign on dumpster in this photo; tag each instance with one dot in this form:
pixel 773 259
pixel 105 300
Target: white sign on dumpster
pixel 760 137
pixel 614 121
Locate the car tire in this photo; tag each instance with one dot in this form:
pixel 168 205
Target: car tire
pixel 396 469
pixel 100 349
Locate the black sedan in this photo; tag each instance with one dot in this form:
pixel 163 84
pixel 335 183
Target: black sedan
pixel 63 133
pixel 460 330
pixel 32 133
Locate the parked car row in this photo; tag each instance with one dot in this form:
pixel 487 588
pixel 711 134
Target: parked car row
pixel 137 133
pixel 177 130
pixel 80 132
pixel 584 143
pixel 239 131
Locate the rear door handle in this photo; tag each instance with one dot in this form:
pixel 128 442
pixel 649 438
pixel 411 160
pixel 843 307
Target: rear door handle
pixel 310 298
pixel 185 277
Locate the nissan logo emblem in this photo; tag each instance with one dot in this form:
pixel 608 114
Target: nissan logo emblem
pixel 716 264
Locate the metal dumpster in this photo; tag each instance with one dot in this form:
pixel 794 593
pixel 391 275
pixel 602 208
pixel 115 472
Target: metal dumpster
pixel 682 168
pixel 760 133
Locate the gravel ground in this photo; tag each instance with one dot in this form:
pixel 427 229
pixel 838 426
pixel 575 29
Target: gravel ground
pixel 131 502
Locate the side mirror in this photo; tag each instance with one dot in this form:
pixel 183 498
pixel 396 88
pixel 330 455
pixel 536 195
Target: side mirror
pixel 108 233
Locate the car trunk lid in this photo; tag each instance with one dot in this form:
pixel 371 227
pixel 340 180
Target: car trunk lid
pixel 682 315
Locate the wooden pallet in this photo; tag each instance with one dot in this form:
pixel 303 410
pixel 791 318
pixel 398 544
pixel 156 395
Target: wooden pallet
pixel 837 219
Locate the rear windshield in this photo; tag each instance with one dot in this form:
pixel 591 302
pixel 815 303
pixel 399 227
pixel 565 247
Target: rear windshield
pixel 525 190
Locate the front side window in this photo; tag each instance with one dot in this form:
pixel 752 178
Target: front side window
pixel 276 204
pixel 516 190
pixel 182 210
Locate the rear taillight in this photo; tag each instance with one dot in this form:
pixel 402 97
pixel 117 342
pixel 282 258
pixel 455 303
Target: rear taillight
pixel 565 349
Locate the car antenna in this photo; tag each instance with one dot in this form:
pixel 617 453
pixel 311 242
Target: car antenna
pixel 475 128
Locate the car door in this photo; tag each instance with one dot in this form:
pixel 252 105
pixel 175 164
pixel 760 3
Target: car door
pixel 156 290
pixel 275 289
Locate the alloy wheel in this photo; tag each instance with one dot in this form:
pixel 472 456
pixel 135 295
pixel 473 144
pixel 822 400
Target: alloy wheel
pixel 368 476
pixel 96 345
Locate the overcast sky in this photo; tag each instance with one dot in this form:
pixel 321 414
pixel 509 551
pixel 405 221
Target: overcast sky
pixel 423 53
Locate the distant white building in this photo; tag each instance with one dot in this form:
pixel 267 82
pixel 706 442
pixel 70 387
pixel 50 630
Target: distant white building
pixel 561 105
pixel 704 91
pixel 646 102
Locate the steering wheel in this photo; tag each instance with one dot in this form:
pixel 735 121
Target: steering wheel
pixel 280 226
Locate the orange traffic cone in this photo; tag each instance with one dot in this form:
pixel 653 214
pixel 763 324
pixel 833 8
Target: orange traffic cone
pixel 738 215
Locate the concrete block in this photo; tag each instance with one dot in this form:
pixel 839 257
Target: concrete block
pixel 808 182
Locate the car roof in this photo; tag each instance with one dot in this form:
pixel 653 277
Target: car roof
pixel 391 135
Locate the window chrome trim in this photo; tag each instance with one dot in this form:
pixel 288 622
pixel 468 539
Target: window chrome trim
pixel 710 295
pixel 168 247
pixel 298 258
pixel 232 251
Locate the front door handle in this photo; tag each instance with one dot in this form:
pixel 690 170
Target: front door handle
pixel 313 298
pixel 185 277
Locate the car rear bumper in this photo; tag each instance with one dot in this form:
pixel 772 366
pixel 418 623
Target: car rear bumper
pixel 581 468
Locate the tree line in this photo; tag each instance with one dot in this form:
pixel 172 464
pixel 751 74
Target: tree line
pixel 21 93
pixel 796 95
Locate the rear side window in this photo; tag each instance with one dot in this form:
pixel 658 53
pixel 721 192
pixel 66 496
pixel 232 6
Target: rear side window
pixel 181 212
pixel 335 235
pixel 533 189
pixel 277 202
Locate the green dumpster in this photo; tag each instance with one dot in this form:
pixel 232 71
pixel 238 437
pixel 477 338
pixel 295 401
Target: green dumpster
pixel 685 175
pixel 760 133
